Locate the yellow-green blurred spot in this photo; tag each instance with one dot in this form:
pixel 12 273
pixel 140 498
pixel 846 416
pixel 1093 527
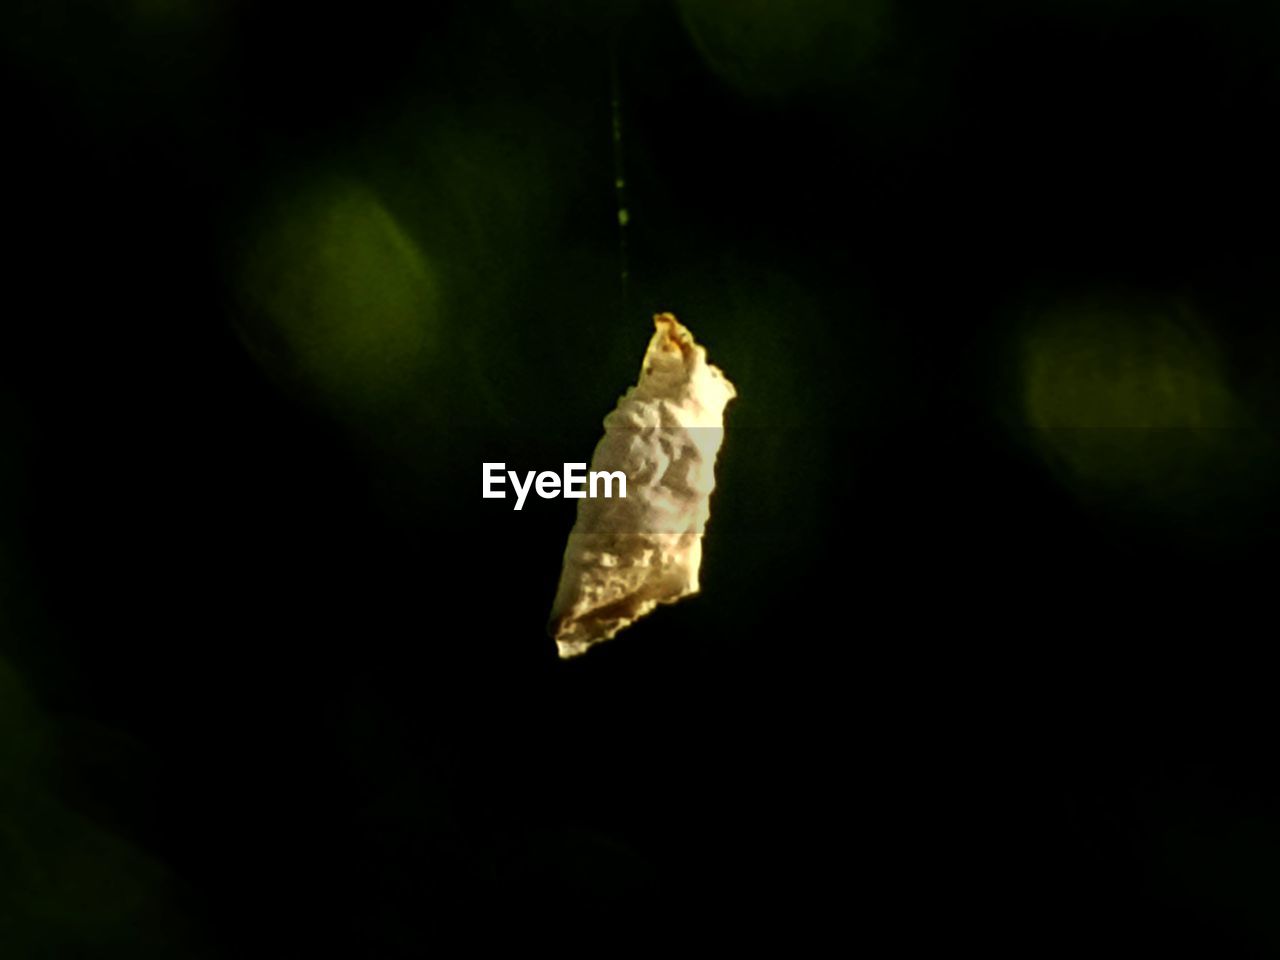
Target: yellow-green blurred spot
pixel 782 47
pixel 341 298
pixel 20 733
pixel 1128 400
pixel 68 887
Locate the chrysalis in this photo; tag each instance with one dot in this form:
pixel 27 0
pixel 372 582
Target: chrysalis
pixel 626 555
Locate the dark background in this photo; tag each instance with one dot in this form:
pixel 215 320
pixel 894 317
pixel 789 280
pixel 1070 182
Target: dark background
pixel 280 276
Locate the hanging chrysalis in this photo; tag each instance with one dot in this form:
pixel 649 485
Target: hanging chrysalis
pixel 628 554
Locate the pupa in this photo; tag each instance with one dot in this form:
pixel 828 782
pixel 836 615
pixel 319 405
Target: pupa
pixel 627 555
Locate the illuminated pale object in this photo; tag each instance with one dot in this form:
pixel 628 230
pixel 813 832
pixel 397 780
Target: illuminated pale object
pixel 627 555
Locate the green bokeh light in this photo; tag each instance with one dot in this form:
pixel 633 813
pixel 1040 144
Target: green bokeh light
pixel 1130 400
pixel 120 66
pixel 68 887
pixel 20 731
pixel 341 298
pixel 784 47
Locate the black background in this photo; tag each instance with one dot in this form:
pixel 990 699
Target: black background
pixel 282 654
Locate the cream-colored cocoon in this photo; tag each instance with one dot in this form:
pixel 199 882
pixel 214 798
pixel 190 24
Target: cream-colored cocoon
pixel 627 555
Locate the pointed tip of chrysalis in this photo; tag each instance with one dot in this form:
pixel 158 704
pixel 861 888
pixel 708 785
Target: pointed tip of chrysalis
pixel 671 335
